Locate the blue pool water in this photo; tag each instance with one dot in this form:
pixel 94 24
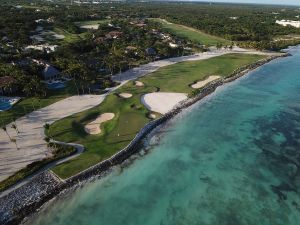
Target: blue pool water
pixel 54 86
pixel 233 159
pixel 4 104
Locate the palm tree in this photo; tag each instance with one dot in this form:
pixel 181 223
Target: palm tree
pixel 5 130
pixel 14 126
pixel 47 139
pixel 15 141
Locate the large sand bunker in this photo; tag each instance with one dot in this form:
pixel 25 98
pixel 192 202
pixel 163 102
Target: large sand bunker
pixel 91 27
pixel 94 126
pixel 162 102
pixel 202 83
pixel 139 83
pixel 125 95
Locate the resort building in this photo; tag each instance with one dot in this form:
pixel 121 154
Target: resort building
pixel 292 23
pixel 50 72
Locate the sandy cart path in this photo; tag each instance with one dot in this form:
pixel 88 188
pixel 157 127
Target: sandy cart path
pixel 31 137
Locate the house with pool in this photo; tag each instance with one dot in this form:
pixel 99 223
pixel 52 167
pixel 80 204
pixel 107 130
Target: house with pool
pixel 7 87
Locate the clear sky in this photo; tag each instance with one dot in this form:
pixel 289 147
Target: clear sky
pixel 282 2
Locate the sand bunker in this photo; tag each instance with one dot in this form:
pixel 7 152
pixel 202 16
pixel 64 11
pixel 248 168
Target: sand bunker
pixel 92 27
pixel 94 126
pixel 202 83
pixel 139 83
pixel 162 102
pixel 125 95
pixel 152 116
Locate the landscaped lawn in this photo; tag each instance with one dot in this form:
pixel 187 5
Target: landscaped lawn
pixel 91 22
pixel 69 37
pixel 178 77
pixel 28 105
pixel 191 33
pixel 130 114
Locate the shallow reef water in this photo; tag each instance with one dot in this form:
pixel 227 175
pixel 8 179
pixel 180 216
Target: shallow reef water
pixel 231 159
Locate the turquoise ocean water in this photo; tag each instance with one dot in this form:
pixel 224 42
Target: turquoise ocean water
pixel 232 159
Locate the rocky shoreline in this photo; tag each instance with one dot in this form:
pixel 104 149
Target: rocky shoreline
pixel 27 199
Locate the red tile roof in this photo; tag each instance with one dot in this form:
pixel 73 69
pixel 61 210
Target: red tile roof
pixel 6 80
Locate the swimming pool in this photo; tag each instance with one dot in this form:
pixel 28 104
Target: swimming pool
pixel 6 103
pixel 56 85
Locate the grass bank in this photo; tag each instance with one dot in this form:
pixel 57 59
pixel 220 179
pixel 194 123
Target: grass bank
pixel 191 34
pixel 130 114
pixel 91 22
pixel 59 152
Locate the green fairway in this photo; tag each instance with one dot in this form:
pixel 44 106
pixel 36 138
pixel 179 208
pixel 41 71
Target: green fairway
pixel 178 77
pixel 130 114
pixel 191 33
pixel 91 22
pixel 69 37
pixel 28 105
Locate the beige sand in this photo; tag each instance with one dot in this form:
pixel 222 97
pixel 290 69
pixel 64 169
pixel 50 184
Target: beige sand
pixel 94 126
pixel 162 102
pixel 152 116
pixel 125 95
pixel 202 83
pixel 92 27
pixel 30 140
pixel 139 83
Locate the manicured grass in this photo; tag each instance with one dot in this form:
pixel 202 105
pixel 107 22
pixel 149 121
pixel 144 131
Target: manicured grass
pixel 191 33
pixel 69 37
pixel 60 152
pixel 130 114
pixel 178 77
pixel 91 22
pixel 28 105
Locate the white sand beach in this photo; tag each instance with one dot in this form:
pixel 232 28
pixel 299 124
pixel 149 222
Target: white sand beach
pixel 94 126
pixel 162 102
pixel 202 83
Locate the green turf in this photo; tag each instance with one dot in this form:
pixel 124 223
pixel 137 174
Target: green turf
pixel 91 22
pixel 131 115
pixel 191 34
pixel 28 105
pixel 69 37
pixel 178 77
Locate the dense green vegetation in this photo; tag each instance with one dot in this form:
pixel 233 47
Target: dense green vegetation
pixel 130 114
pixel 59 152
pixel 249 25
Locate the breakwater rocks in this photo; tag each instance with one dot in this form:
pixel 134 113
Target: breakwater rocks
pixel 22 201
pixel 25 200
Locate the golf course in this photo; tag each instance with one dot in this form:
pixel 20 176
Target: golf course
pixel 130 115
pixel 191 34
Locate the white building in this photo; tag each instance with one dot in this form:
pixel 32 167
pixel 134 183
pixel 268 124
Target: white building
pixel 289 23
pixel 173 45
